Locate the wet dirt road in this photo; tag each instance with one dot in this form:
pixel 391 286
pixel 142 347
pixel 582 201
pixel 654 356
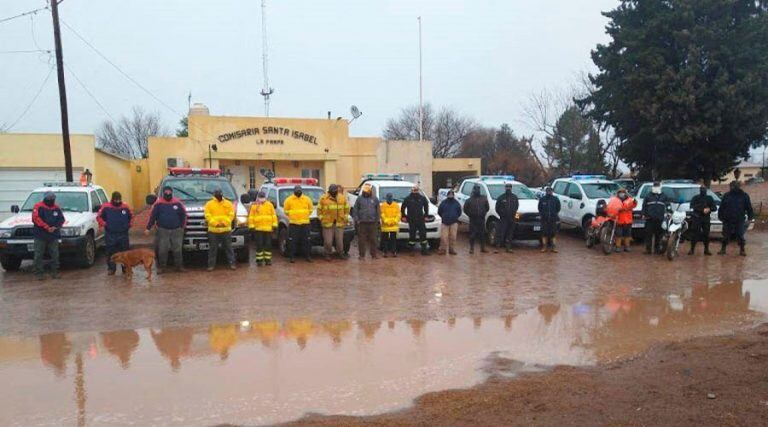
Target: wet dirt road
pixel 263 345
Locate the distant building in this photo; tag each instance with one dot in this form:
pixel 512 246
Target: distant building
pixel 746 170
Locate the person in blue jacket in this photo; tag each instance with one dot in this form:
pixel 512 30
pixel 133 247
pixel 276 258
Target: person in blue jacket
pixel 449 211
pixel 47 218
pixel 116 218
pixel 170 216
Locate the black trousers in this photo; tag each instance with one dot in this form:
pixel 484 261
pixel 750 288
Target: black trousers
pixel 113 245
pixel 700 230
pixel 548 228
pixel 653 230
pixel 734 231
pixel 420 228
pixel 263 241
pixel 477 232
pixel 389 240
pixel 504 233
pixel 298 239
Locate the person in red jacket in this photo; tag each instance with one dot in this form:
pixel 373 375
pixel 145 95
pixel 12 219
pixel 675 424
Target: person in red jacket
pixel 116 218
pixel 47 218
pixel 620 208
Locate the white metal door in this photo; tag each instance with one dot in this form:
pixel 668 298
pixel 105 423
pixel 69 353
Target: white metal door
pixel 16 184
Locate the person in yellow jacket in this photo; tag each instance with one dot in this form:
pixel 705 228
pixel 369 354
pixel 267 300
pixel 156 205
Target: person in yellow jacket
pixel 298 207
pixel 262 221
pixel 219 214
pixel 333 212
pixel 390 224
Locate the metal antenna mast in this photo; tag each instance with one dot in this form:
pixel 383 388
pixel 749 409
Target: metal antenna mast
pixel 266 91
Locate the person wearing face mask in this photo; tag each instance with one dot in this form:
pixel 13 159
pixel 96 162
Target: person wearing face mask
pixel 476 208
pixel 449 211
pixel 367 215
pixel 735 210
pixel 333 212
pixel 170 216
pixel 549 210
pixel 262 221
pixel 115 218
pixel 415 209
pixel 506 207
pixel 47 219
pixel 219 214
pixel 298 207
pixel 702 206
pixel 390 224
pixel 655 206
pixel 620 208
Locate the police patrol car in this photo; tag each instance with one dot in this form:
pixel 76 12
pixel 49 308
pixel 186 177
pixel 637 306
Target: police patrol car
pixel 80 235
pixel 384 183
pixel 492 186
pixel 579 195
pixel 279 189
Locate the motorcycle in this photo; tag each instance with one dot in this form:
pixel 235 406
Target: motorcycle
pixel 602 230
pixel 675 225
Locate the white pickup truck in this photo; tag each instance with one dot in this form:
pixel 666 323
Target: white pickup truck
pixel 80 235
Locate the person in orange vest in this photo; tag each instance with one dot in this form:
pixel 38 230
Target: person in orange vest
pixel 390 224
pixel 262 220
pixel 620 208
pixel 298 207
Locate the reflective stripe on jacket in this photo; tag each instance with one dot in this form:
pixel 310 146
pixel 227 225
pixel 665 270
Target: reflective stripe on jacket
pixel 332 210
pixel 390 217
pixel 219 215
pixel 298 209
pixel 262 217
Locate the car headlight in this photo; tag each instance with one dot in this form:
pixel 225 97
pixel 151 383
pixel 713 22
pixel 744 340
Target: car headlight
pixel 5 233
pixel 242 220
pixel 517 216
pixel 70 231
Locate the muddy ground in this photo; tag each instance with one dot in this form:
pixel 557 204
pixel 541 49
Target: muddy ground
pixel 705 381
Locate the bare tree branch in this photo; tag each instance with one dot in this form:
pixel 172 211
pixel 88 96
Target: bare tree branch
pixel 447 128
pixel 129 136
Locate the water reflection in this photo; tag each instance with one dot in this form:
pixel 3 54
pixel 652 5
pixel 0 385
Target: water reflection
pixel 268 370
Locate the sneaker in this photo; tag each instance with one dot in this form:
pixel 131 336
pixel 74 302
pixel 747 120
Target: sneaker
pixel 553 249
pixel 209 269
pixel 394 255
pixel 233 267
pixel 543 249
pixel 385 255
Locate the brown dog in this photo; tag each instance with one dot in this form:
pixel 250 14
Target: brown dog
pixel 134 257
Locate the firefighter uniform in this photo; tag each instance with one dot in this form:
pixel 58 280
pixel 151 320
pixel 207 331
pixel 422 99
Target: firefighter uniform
pixel 262 221
pixel 390 224
pixel 298 209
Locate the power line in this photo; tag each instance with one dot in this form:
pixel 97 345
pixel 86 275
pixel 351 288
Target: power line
pixel 31 12
pixel 90 94
pixel 24 51
pixel 26 110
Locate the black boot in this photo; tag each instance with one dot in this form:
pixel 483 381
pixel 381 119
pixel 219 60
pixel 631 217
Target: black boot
pixel 471 248
pixel 693 248
pixel 706 249
pixel 742 250
pixel 722 249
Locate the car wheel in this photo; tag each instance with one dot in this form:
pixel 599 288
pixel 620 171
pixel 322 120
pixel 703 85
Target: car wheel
pixel 88 257
pixel 585 224
pixel 10 262
pixel 282 240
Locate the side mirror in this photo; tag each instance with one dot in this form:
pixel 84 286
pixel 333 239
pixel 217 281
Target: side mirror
pixel 245 198
pixel 151 199
pixel 15 209
pixel 96 208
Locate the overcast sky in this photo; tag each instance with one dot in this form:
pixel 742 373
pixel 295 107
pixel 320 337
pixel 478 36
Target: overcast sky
pixel 482 57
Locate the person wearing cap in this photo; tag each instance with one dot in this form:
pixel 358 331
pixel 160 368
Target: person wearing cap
pixel 262 221
pixel 476 208
pixel 170 216
pixel 47 220
pixel 549 210
pixel 390 224
pixel 449 211
pixel 333 212
pixel 415 209
pixel 735 210
pixel 620 208
pixel 367 215
pixel 702 206
pixel 506 207
pixel 219 215
pixel 298 207
pixel 655 208
pixel 115 218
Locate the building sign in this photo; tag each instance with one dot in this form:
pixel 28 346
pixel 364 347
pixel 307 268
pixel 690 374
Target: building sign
pixel 271 132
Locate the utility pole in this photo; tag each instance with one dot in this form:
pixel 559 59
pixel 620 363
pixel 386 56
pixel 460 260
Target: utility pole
pixel 62 91
pixel 266 91
pixel 421 91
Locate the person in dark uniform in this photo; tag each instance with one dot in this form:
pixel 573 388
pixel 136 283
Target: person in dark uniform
pixel 506 207
pixel 416 208
pixel 734 211
pixel 549 210
pixel 476 208
pixel 47 219
pixel 702 205
pixel 655 207
pixel 115 217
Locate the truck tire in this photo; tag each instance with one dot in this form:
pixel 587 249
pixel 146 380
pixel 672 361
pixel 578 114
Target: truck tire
pixel 10 262
pixel 243 254
pixel 586 222
pixel 282 241
pixel 88 257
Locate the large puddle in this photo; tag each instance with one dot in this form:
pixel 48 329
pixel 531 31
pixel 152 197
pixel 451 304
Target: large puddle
pixel 260 371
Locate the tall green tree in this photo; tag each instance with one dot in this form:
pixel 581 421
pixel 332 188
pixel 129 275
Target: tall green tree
pixel 575 144
pixel 684 83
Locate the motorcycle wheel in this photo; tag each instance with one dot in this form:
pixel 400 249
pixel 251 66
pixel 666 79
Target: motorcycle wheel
pixel 672 245
pixel 605 239
pixel 591 239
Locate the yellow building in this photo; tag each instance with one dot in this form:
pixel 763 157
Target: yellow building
pixel 246 147
pixel 746 170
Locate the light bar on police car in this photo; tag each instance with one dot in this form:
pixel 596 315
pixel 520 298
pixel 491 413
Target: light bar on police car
pixel 497 177
pixel 585 177
pixel 383 176
pixel 194 171
pixel 295 181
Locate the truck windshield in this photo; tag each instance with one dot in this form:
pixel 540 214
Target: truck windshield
pixel 600 190
pixel 521 191
pixel 685 194
pixel 398 193
pixel 192 189
pixel 67 200
pixel 313 193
